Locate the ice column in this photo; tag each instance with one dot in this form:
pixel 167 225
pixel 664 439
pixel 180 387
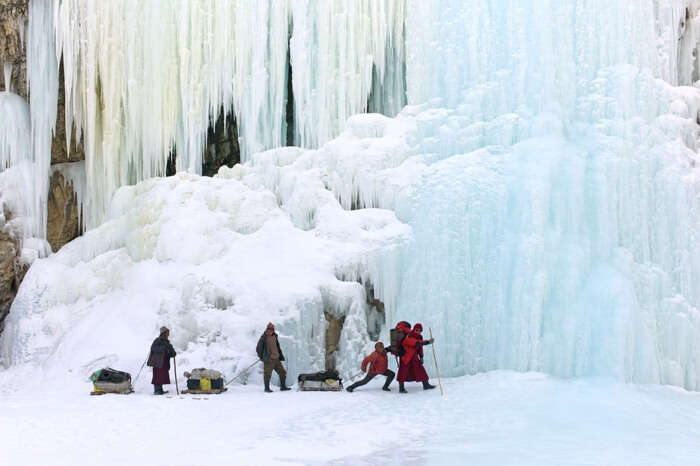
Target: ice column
pixel 336 48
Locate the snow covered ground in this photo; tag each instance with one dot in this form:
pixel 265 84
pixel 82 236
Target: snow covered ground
pixel 499 418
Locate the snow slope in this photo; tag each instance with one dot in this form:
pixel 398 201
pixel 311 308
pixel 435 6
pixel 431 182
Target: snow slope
pixel 214 259
pixel 498 418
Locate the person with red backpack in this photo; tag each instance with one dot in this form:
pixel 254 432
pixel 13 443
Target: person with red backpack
pixel 378 365
pixel 411 362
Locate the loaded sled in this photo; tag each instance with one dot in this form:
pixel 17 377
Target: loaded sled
pixel 324 381
pixel 109 380
pixel 204 381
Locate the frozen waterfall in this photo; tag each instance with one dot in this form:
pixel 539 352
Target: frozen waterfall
pixel 536 202
pixel 146 77
pixel 556 225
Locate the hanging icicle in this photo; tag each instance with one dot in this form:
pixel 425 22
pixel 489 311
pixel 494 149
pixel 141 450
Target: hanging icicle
pixel 146 77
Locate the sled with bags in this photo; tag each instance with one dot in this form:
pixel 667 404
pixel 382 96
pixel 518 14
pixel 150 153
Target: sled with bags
pixel 110 380
pixel 324 381
pixel 204 381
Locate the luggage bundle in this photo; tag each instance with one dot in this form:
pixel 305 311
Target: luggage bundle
pixel 204 381
pixel 109 380
pixel 396 337
pixel 324 381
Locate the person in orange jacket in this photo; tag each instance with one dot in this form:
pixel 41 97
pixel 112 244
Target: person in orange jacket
pixel 378 365
pixel 411 363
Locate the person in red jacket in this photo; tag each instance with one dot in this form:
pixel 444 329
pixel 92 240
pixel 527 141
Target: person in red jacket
pixel 411 363
pixel 378 365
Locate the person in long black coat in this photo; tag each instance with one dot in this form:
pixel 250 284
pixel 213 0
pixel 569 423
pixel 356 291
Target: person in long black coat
pixel 270 352
pixel 159 360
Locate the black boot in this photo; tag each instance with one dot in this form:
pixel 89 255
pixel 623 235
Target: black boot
pixel 351 388
pixel 427 386
pixel 158 390
pixel 267 387
pixel 402 389
pixel 386 389
pixel 283 385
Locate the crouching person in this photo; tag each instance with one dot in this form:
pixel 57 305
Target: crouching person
pixel 159 360
pixel 269 351
pixel 378 365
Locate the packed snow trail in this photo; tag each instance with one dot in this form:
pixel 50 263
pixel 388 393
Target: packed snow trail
pixel 499 418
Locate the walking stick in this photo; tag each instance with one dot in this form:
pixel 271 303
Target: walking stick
pixel 437 369
pixel 177 389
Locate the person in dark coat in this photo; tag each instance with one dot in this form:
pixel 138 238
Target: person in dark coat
pixel 159 360
pixel 411 363
pixel 378 365
pixel 269 351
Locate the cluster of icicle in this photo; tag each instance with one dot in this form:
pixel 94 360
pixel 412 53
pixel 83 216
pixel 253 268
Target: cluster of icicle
pixel 26 130
pixel 146 76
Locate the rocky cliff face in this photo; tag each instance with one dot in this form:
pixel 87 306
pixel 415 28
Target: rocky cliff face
pixel 63 222
pixel 13 20
pixel 222 145
pixel 12 270
pixel 13 65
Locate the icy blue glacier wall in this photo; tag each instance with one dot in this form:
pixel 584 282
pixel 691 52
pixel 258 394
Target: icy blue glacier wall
pixel 556 228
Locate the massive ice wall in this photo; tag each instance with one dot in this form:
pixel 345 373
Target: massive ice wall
pixel 145 77
pixel 556 222
pixel 546 167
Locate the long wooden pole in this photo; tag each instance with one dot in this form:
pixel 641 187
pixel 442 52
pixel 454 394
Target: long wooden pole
pixel 177 389
pixel 437 368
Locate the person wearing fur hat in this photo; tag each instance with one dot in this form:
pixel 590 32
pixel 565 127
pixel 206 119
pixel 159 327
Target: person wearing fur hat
pixel 270 352
pixel 411 363
pixel 159 360
pixel 378 365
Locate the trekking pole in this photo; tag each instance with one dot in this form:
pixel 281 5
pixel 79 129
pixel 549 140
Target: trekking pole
pixel 356 375
pixel 437 368
pixel 242 372
pixel 177 389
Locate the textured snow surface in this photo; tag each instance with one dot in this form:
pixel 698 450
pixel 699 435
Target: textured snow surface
pixel 497 418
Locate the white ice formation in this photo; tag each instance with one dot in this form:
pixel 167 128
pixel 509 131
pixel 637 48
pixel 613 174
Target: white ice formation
pixel 144 77
pixel 212 258
pixel 25 140
pixel 542 179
